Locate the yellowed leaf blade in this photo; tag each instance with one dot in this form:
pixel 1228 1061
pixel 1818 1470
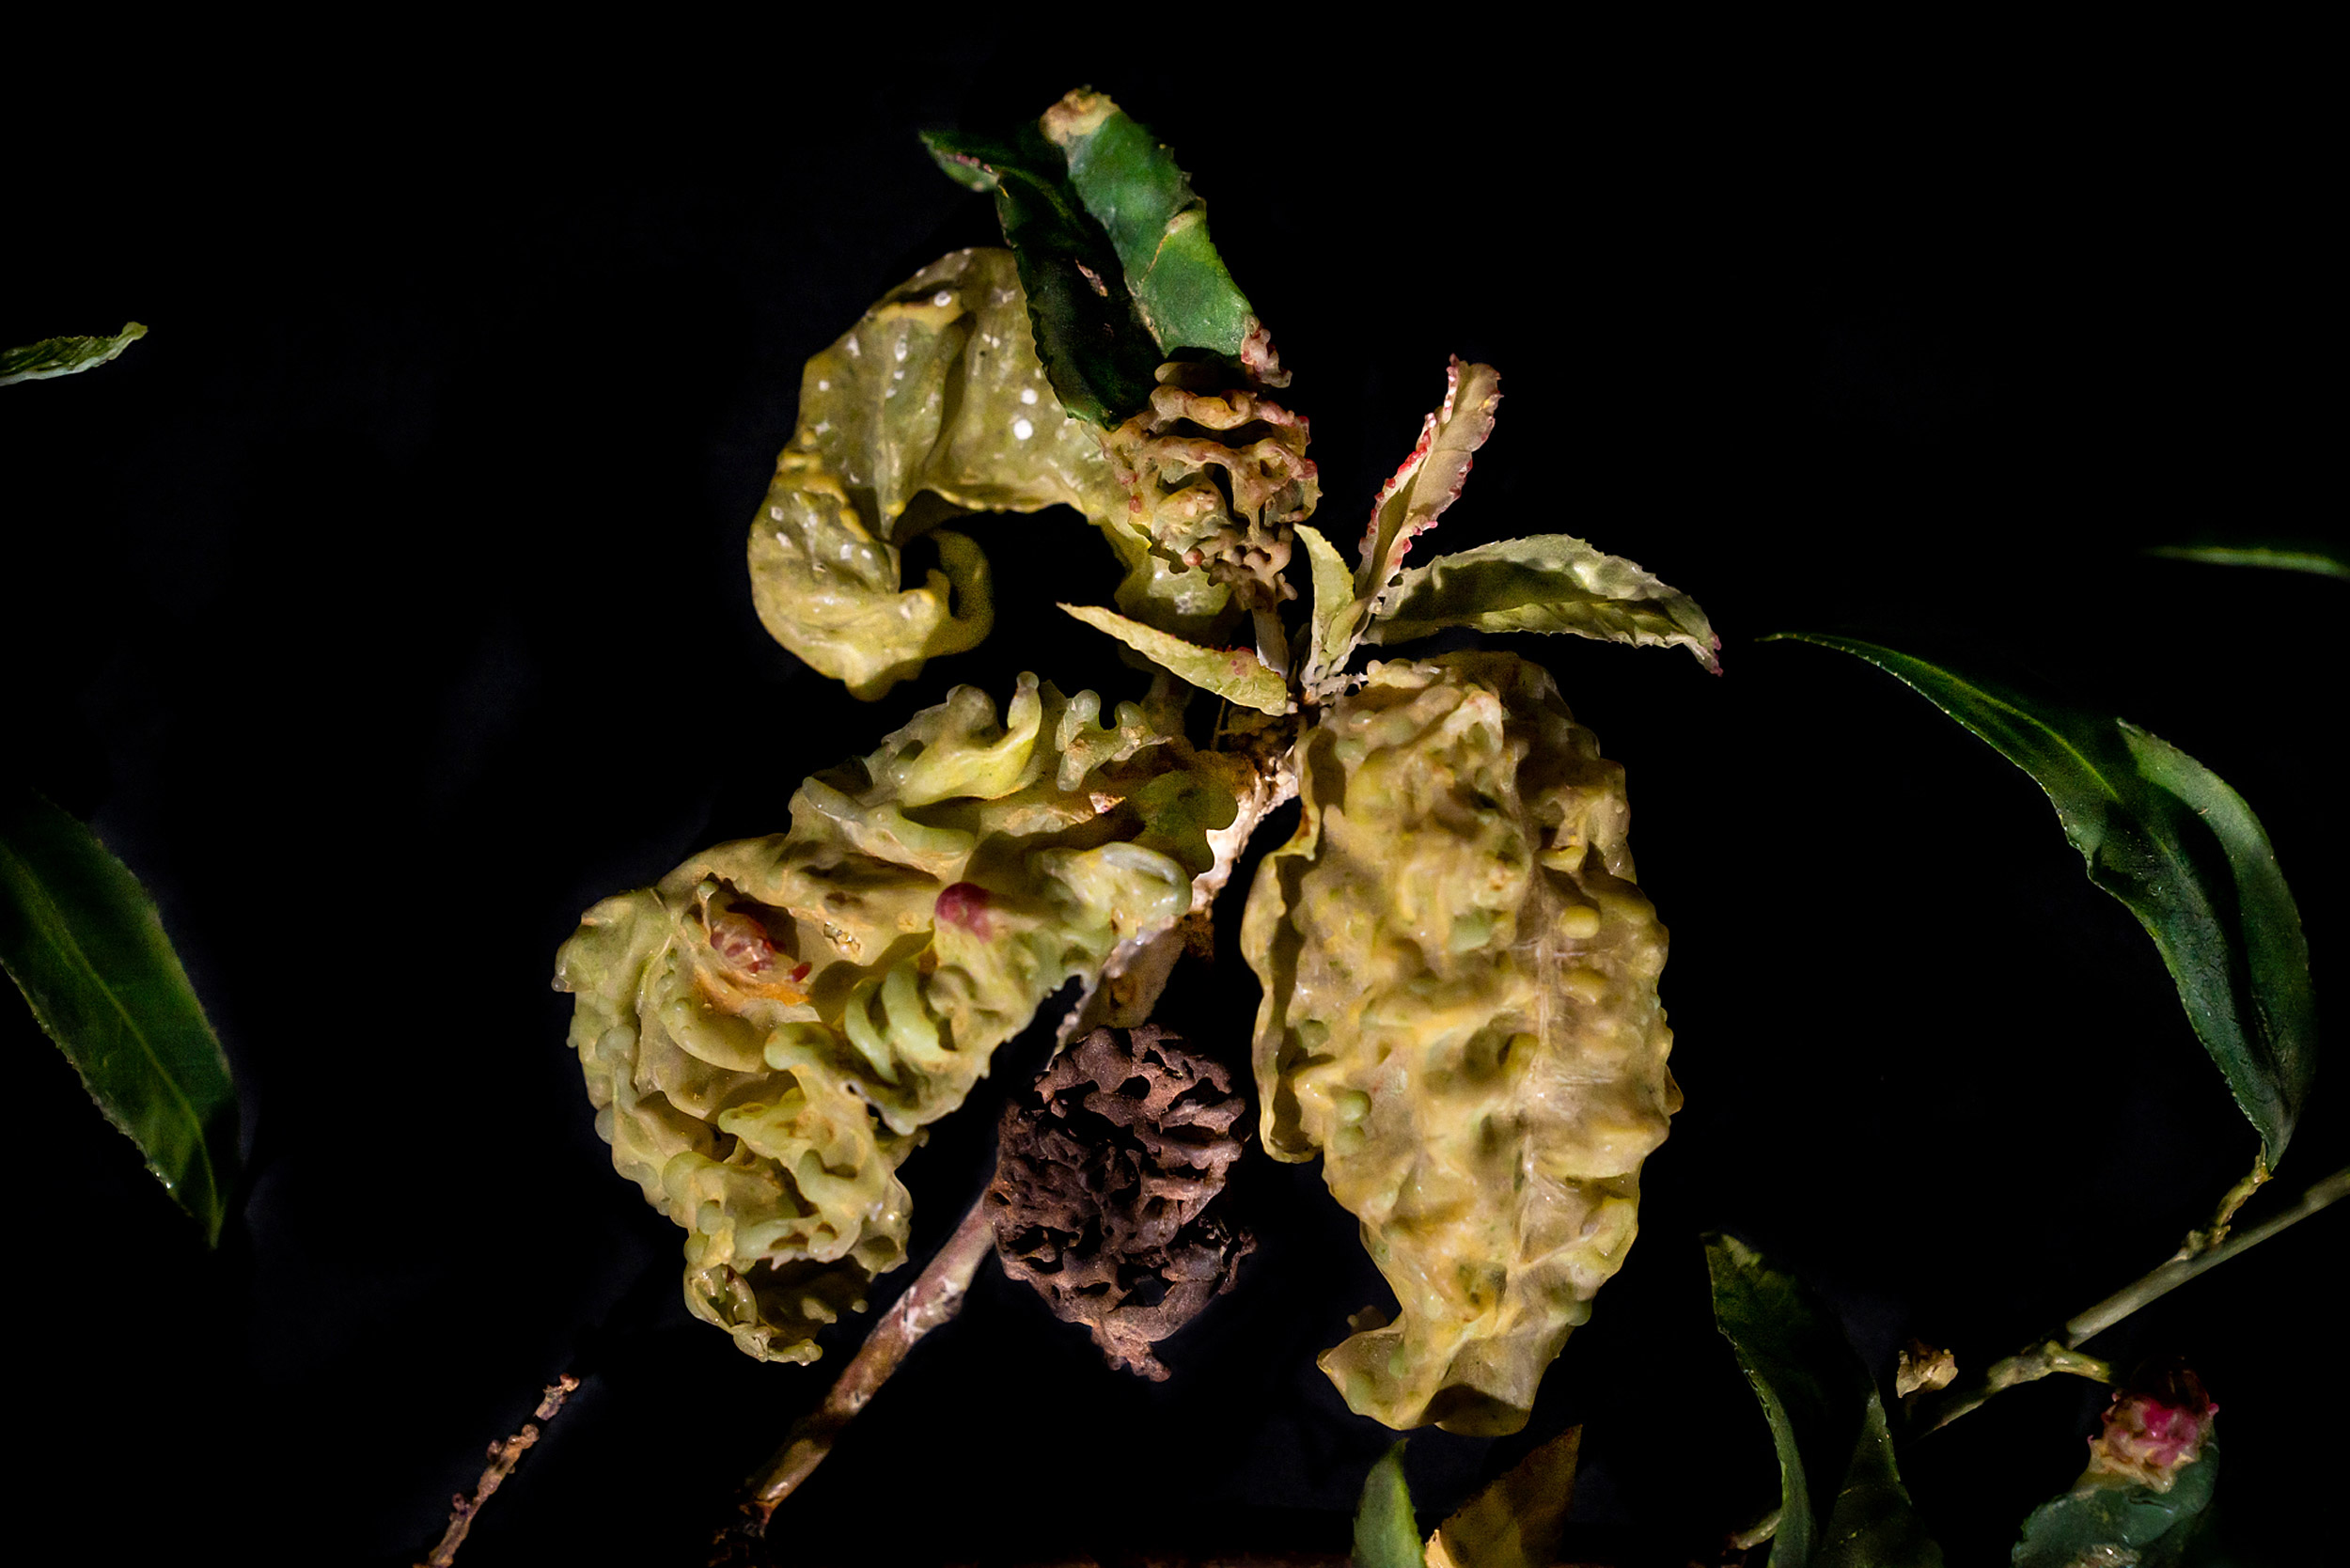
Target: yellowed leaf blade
pixel 1517 1521
pixel 1234 674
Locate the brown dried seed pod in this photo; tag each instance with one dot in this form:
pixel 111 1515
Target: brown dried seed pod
pixel 1104 1177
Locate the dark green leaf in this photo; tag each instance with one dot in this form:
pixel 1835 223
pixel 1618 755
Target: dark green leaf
pixel 1545 582
pixel 1095 348
pixel 1386 1533
pixel 2103 1518
pixel 2166 836
pixel 84 942
pixel 2321 563
pixel 63 356
pixel 1234 674
pixel 1841 1502
pixel 1130 183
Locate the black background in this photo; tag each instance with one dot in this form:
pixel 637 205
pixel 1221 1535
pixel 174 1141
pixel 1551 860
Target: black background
pixel 385 607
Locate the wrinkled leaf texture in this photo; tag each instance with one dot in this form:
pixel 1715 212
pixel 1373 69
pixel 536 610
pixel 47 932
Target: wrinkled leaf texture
pixel 1842 1504
pixel 2169 838
pixel 64 357
pixel 1234 674
pixel 84 943
pixel 1386 1533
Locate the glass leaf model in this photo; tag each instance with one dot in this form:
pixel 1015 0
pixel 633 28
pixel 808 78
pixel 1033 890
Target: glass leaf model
pixel 1460 1017
pixel 934 405
pixel 765 1033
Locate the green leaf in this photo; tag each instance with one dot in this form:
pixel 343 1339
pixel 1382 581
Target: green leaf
pixel 1430 480
pixel 2105 1517
pixel 64 357
pixel 1129 182
pixel 84 942
pixel 1234 674
pixel 2166 836
pixel 2323 563
pixel 1841 1501
pixel 1386 1533
pixel 1545 583
pixel 1328 642
pixel 1095 348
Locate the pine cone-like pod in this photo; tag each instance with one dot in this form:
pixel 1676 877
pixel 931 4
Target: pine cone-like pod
pixel 1461 1019
pixel 766 1032
pixel 1216 476
pixel 1103 1178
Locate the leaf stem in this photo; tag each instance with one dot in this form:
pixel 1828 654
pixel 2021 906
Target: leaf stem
pixel 2190 1262
pixel 2026 1366
pixel 2203 1250
pixel 933 1299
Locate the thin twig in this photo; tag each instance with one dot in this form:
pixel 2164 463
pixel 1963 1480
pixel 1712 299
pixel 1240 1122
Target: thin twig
pixel 2178 1271
pixel 930 1300
pixel 503 1456
pixel 2026 1366
pixel 2203 1250
pixel 2202 1241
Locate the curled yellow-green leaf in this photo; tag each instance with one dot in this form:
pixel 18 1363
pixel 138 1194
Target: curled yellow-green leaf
pixel 932 406
pixel 765 1033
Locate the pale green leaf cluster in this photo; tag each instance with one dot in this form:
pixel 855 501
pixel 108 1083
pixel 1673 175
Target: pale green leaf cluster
pixel 766 1032
pixel 1543 582
pixel 1461 1019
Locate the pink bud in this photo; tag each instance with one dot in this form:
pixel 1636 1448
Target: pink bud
pixel 742 942
pixel 2154 1428
pixel 964 904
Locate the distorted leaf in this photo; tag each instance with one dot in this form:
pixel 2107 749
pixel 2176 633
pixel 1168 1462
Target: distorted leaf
pixel 1386 1533
pixel 2169 837
pixel 1517 1521
pixel 1430 480
pixel 1094 345
pixel 1131 185
pixel 1234 674
pixel 64 357
pixel 1545 582
pixel 1842 1504
pixel 2151 1474
pixel 84 942
pixel 2322 563
pixel 1327 644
